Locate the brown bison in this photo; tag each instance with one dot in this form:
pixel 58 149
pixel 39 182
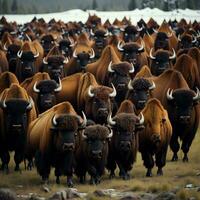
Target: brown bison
pixel 3 62
pixel 53 139
pixel 91 156
pixel 155 137
pixel 124 143
pixel 16 113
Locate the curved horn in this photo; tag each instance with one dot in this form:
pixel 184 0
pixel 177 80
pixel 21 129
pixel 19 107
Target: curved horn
pixel 106 34
pixel 19 54
pixel 110 134
pixel 174 55
pixel 65 61
pixel 197 96
pixel 4 47
pixel 31 103
pixel 195 39
pixel 110 68
pixel 44 61
pixel 72 43
pixel 74 54
pixel 154 30
pixel 169 35
pixel 141 119
pixel 169 94
pixel 91 32
pixel 90 94
pixel 35 56
pixel 54 120
pixel 152 86
pixel 83 135
pixel 28 37
pixel 59 88
pixel 110 120
pixel 119 46
pixel 130 87
pixel 132 70
pixel 139 29
pixel 93 53
pixel 150 54
pixel 4 104
pixel 114 93
pixel 179 38
pixel 35 88
pixel 141 47
pixel 84 120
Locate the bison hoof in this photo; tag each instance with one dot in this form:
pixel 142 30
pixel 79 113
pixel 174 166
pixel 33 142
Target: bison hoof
pixel 58 180
pixel 175 157
pixel 92 181
pixel 126 176
pixel 5 168
pixel 149 173
pixel 70 183
pixel 112 175
pixel 17 169
pixel 185 159
pixel 82 180
pixel 159 172
pixel 97 180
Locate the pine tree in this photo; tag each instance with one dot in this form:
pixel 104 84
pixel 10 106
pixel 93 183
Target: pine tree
pixel 94 5
pixel 132 5
pixel 14 7
pixel 5 7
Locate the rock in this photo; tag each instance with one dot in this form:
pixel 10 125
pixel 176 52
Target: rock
pixel 147 196
pixel 166 196
pixel 198 173
pixel 45 189
pixel 107 192
pixel 130 197
pixel 7 194
pixel 189 186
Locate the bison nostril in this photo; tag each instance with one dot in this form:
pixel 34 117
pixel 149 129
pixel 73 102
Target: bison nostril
pixel 68 146
pixel 97 152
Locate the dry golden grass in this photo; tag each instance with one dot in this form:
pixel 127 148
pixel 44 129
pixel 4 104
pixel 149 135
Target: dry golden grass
pixel 176 174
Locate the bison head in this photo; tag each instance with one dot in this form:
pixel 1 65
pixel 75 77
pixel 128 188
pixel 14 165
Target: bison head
pixel 100 103
pixel 182 102
pixel 64 129
pixel 162 41
pixel 131 33
pixel 65 47
pixel 186 41
pixel 139 92
pixel 47 42
pixel 46 90
pixel 161 61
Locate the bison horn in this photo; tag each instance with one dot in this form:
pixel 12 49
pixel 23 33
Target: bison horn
pixel 35 56
pixel 141 119
pixel 150 54
pixel 174 55
pixel 197 96
pixel 119 46
pixel 54 120
pixel 59 88
pixel 84 120
pixel 155 31
pixel 30 105
pixel 122 29
pixel 93 53
pixel 45 62
pixel 114 93
pixel 90 94
pixel 35 88
pixel 153 86
pixel 28 37
pixel 72 43
pixel 141 48
pixel 139 29
pixel 106 34
pixel 110 120
pixel 4 104
pixel 132 69
pixel 169 94
pixel 195 39
pixel 130 87
pixel 66 61
pixel 110 134
pixel 74 54
pixel 19 54
pixel 5 48
pixel 110 68
pixel 169 35
pixel 179 38
pixel 83 135
pixel 91 32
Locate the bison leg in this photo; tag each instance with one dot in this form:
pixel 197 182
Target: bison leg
pixel 148 162
pixel 18 159
pixel 57 174
pixel 69 181
pixel 174 145
pixel 111 165
pixel 5 157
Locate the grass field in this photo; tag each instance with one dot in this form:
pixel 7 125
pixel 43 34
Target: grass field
pixel 176 175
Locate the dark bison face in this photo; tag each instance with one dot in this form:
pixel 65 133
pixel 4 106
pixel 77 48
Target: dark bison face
pixel 64 130
pixel 16 118
pixel 100 103
pixel 182 103
pixel 139 92
pixel 119 75
pixel 54 66
pixel 162 41
pixel 46 90
pixel 187 41
pixel 125 126
pixel 83 58
pixel 12 56
pixel 161 61
pixel 65 47
pixel 130 34
pixel 131 52
pixel 27 63
pixel 47 43
pixel 96 137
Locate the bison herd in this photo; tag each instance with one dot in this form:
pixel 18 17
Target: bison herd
pixel 85 97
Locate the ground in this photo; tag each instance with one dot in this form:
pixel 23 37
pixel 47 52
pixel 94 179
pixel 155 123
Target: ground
pixel 176 175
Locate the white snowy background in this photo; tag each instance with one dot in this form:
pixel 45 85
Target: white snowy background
pixel 135 15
